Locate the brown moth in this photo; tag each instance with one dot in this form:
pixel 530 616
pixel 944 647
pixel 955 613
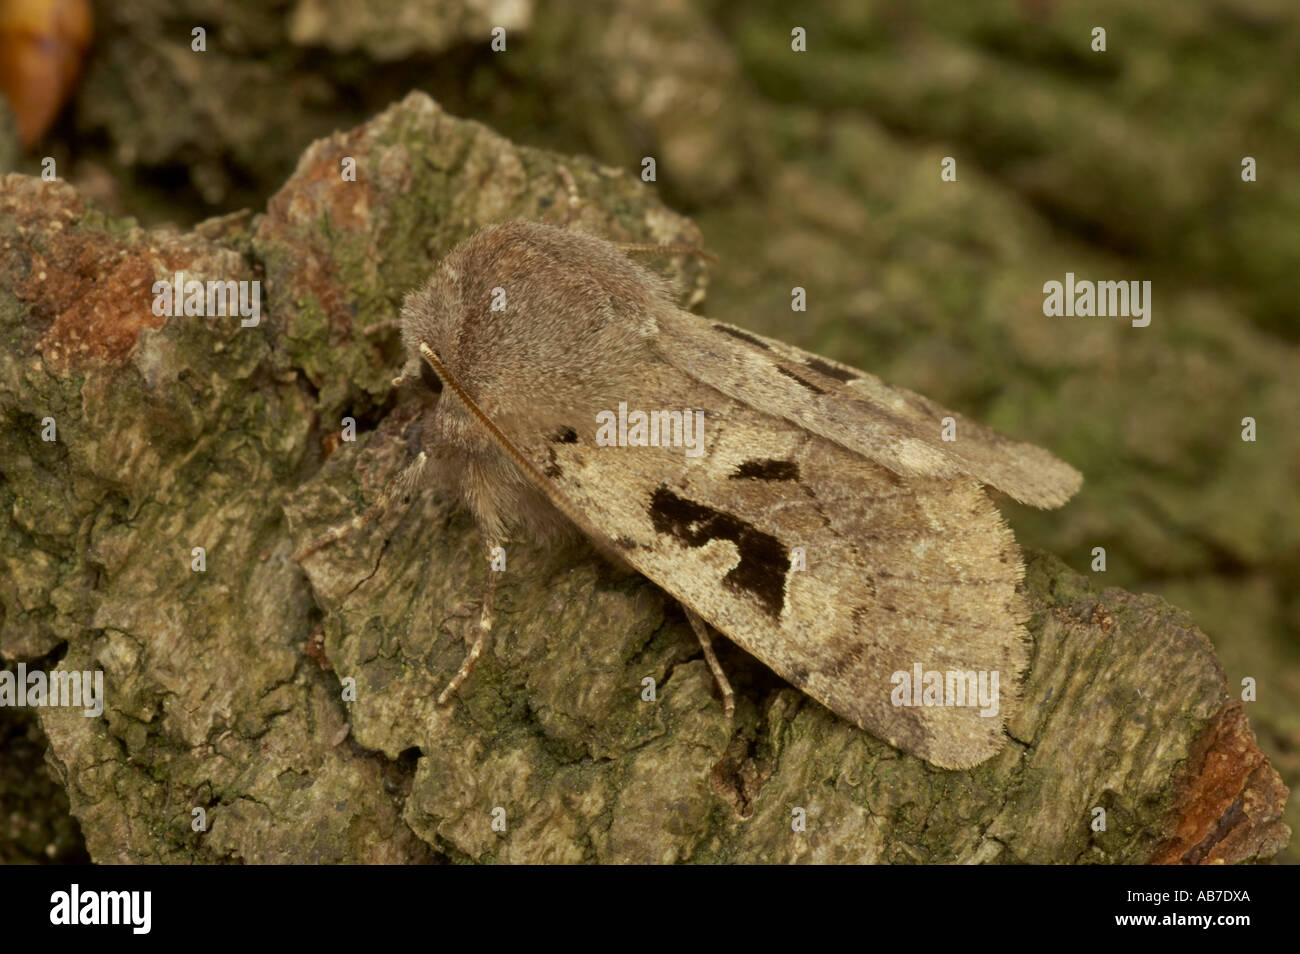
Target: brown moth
pixel 823 525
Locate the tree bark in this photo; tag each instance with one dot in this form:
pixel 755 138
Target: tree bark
pixel 225 688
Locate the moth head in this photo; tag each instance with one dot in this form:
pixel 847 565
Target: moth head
pixel 531 322
pixel 430 317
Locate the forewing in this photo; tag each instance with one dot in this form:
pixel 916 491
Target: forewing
pixel 899 570
pixel 890 425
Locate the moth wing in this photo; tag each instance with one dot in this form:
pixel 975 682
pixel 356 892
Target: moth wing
pixel 897 571
pixel 893 426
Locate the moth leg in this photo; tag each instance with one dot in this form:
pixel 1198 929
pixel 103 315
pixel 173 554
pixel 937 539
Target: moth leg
pixel 574 197
pixel 403 481
pixel 706 643
pixel 481 639
pixel 335 534
pixel 380 327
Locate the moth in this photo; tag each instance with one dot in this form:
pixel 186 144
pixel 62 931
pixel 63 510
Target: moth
pixel 823 525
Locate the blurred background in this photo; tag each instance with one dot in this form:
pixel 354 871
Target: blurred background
pixel 821 169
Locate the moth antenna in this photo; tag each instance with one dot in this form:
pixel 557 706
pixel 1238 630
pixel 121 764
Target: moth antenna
pixel 706 643
pixel 504 443
pixel 668 250
pixel 572 211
